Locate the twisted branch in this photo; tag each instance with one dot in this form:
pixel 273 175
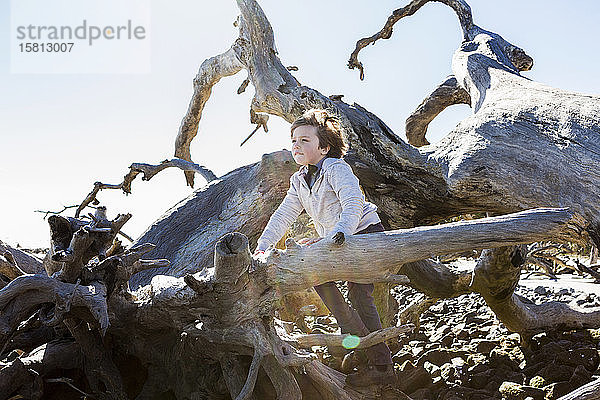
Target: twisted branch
pixel 462 9
pixel 148 171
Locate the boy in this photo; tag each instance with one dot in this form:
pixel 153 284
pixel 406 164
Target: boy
pixel 328 190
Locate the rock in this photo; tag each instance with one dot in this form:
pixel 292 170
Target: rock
pixel 326 320
pixel 461 393
pixel 417 350
pixel 447 340
pixel 585 356
pixel 479 380
pixel 458 362
pixel 440 308
pixel 515 391
pixel 484 346
pixel 476 359
pixel 412 378
pixel 475 320
pixel 448 372
pixel 436 356
pixel 580 376
pixel 492 386
pixel 500 356
pixel 463 334
pixel 421 394
pixel 440 333
pixel 554 372
pixel 558 389
pixel 537 381
pixel 540 290
pixel 401 356
pixel 433 369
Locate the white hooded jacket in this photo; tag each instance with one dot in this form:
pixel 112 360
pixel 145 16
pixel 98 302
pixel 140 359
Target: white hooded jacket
pixel 335 204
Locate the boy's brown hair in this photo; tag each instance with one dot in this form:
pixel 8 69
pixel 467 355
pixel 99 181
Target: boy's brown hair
pixel 329 131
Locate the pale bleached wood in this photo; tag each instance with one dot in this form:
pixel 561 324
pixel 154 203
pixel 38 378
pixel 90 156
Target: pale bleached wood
pixel 373 338
pixel 210 72
pixel 367 258
pixel 29 291
pixel 446 94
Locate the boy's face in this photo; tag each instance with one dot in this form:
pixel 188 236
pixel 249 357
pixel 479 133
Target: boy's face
pixel 305 145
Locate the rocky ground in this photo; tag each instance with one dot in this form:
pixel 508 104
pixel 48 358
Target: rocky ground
pixel 461 351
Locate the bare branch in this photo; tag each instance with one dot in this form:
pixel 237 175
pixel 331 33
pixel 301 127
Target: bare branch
pixel 445 95
pixel 252 375
pixel 148 171
pixel 69 382
pixel 65 208
pixel 211 71
pixel 320 261
pixel 462 9
pixel 260 120
pixel 373 338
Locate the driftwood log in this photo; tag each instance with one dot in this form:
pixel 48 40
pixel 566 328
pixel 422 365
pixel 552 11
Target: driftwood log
pixel 208 331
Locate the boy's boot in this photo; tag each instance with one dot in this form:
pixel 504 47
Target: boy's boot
pixel 372 375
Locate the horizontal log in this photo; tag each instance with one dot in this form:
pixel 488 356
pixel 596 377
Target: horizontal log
pixel 376 256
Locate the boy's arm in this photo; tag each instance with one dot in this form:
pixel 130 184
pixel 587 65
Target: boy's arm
pixel 287 212
pixel 346 186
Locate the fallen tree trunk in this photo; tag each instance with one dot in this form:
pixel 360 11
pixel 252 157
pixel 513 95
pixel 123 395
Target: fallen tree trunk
pixel 224 313
pixel 326 260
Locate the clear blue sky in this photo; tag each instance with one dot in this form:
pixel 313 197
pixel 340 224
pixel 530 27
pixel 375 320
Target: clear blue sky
pixel 60 133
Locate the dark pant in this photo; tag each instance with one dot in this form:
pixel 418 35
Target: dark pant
pixel 362 318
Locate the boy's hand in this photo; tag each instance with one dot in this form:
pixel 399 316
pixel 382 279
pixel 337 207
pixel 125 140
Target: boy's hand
pixel 308 241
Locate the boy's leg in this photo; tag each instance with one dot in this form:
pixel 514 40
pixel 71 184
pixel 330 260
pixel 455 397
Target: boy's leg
pixel 347 318
pixel 350 321
pixel 361 297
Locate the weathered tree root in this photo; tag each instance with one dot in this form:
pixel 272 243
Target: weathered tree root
pixel 24 295
pixel 77 294
pixel 23 374
pixel 75 242
pixel 496 276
